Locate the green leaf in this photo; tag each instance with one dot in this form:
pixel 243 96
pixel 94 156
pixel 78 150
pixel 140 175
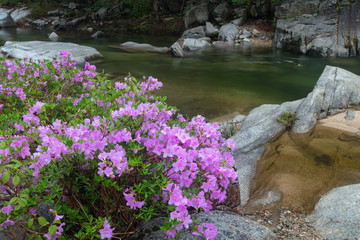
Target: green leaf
pixel 16 180
pixel 52 230
pixel 22 202
pixel 38 237
pixel 42 221
pixel 30 223
pixel 5 177
pixel 13 200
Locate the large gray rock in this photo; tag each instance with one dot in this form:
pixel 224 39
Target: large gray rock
pixel 41 23
pixel 211 31
pixel 258 128
pixel 240 13
pixel 20 15
pixel 221 12
pixel 197 32
pixel 228 33
pixel 49 50
pixel 6 20
pixel 230 226
pixel 318 29
pixel 335 91
pixel 142 47
pixel 192 44
pixel 337 214
pixel 295 8
pixel 102 13
pixel 182 47
pixel 198 14
pixel 59 24
pixel 176 48
pixel 75 22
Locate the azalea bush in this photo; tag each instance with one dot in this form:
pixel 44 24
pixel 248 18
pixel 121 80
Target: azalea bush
pixel 83 157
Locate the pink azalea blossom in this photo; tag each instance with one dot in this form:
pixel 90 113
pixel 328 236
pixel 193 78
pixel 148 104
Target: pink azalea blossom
pixel 106 232
pixel 7 210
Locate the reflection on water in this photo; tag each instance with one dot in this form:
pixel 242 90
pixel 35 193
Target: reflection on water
pixel 214 82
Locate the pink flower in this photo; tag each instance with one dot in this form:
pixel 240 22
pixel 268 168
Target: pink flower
pixel 131 202
pixel 8 222
pixel 7 210
pixel 19 127
pixel 106 232
pixel 210 232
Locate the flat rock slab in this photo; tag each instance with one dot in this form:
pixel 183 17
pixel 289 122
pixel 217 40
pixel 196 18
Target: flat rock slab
pixel 337 214
pixel 142 47
pixel 37 50
pixel 230 226
pixel 339 121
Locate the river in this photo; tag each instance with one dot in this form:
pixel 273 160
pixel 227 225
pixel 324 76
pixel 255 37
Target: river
pixel 216 83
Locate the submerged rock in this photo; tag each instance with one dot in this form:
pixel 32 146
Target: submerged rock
pixel 258 128
pixel 142 47
pixel 337 214
pixel 98 34
pixel 48 50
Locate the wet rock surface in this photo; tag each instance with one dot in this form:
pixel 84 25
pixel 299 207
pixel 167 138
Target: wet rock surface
pixel 142 47
pixel 47 50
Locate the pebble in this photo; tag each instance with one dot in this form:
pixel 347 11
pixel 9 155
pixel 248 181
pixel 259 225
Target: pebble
pixel 291 224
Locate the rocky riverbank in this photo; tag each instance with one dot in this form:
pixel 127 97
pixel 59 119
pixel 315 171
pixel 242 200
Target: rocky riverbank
pixel 320 28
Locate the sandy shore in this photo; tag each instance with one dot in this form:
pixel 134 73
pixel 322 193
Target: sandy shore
pixel 339 121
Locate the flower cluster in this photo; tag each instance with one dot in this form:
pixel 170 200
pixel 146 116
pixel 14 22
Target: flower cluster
pixel 102 153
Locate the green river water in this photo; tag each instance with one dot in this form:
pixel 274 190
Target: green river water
pixel 216 83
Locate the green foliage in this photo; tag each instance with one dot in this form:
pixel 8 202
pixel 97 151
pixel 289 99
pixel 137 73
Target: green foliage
pixel 288 119
pixel 250 1
pixel 90 152
pixel 140 8
pixel 41 9
pixel 102 3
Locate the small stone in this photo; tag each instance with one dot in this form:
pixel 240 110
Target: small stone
pixel 53 36
pixel 255 31
pixel 72 5
pixel 98 34
pixel 350 115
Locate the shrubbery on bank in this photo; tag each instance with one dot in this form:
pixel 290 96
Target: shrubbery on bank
pixel 101 156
